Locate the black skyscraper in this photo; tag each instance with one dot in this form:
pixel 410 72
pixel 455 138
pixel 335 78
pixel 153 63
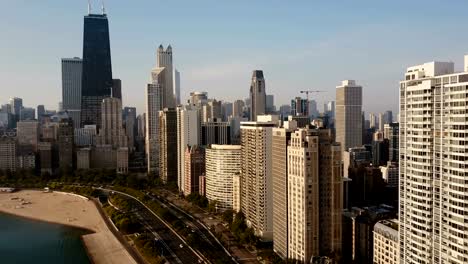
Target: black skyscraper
pixel 97 69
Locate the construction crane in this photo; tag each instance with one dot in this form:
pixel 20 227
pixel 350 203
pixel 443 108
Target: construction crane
pixel 310 91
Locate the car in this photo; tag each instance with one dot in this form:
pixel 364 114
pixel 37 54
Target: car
pixel 181 246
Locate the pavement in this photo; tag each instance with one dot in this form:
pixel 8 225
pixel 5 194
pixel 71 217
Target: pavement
pixel 240 253
pixel 169 241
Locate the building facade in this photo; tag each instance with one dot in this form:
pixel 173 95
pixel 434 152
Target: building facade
pixel 348 121
pixel 257 95
pixel 222 163
pixel 433 168
pixel 386 247
pixel 188 134
pixel 168 145
pixel 256 179
pixel 194 167
pixel 71 88
pixel 96 81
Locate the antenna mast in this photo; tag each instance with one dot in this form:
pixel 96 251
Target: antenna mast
pixel 89 7
pixel 103 7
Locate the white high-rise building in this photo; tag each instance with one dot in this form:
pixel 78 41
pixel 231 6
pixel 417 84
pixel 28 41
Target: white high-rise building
pixel 223 162
pixel 188 134
pixel 256 175
pixel 348 120
pixel 177 86
pixel 381 122
pixel 372 120
pixel 433 172
pixel 71 88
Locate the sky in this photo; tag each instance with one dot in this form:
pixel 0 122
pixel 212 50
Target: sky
pixel 299 45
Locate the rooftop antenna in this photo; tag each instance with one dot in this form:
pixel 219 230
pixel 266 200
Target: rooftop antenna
pixel 103 7
pixel 89 7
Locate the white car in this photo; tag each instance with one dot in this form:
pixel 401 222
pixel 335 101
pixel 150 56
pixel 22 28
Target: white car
pixel 181 246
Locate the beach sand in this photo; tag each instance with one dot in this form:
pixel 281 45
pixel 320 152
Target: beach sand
pixel 102 246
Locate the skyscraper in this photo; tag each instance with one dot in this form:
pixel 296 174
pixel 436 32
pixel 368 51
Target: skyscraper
pixel 257 95
pixel 270 104
pixel 381 122
pixel 256 175
pixel 177 86
pixel 188 134
pixel 299 107
pixel 129 118
pixel 238 108
pixel 71 88
pixel 314 195
pixel 96 82
pixel 433 171
pixel 280 139
pixel 16 106
pixel 164 63
pixel 40 112
pixel 168 145
pixel 154 103
pixel 348 121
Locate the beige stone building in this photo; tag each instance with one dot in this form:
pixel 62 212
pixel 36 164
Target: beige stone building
pixel 256 177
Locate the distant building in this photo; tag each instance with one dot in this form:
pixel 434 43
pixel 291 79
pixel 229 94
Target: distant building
pixel 257 95
pixel 270 104
pixel 28 134
pixel 198 98
pixel 238 108
pixel 85 136
pixel 7 153
pixel 177 86
pixel 45 157
pixel 299 107
pixel 27 113
pixel 348 121
pixel 211 111
pixel 65 144
pixel 222 163
pixel 393 136
pixel 130 122
pixel 71 88
pixel 215 132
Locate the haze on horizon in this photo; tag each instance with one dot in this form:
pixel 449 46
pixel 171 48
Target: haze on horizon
pixel 216 45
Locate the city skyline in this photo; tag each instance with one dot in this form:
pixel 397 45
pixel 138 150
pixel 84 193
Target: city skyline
pixel 316 48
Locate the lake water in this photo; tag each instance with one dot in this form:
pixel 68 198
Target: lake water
pixel 27 241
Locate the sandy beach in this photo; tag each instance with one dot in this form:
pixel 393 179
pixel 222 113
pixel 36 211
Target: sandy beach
pixel 102 246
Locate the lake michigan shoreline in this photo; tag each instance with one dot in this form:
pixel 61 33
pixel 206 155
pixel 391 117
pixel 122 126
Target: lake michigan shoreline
pixel 72 211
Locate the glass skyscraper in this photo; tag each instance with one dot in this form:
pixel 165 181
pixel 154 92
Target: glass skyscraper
pixel 97 69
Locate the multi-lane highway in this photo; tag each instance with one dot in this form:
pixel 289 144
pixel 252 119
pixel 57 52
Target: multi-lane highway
pixel 211 245
pixel 174 248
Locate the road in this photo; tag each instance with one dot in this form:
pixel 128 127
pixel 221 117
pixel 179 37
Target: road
pixel 169 240
pixel 212 245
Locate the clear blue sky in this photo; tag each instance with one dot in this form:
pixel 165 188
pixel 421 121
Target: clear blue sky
pixel 298 44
